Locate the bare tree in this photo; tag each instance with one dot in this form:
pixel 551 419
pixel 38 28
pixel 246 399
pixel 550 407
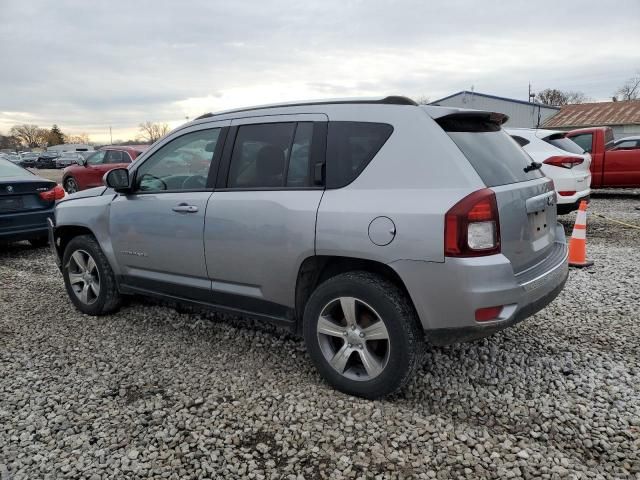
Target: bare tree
pixel 151 132
pixel 82 138
pixel 630 90
pixel 555 97
pixel 28 135
pixel 423 100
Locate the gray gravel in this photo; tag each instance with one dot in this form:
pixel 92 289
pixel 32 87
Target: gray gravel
pixel 152 392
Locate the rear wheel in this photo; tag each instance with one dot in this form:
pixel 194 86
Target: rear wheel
pixel 70 185
pixel 362 334
pixel 88 277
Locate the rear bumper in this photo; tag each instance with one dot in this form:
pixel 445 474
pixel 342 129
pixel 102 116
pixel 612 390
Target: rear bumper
pixel 24 225
pixel 564 208
pixel 447 295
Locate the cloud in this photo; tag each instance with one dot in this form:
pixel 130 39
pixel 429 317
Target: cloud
pixel 90 65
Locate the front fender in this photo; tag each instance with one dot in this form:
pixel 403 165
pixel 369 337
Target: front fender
pixel 86 214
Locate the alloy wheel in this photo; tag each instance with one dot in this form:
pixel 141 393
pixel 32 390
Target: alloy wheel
pixel 70 186
pixel 84 276
pixel 353 338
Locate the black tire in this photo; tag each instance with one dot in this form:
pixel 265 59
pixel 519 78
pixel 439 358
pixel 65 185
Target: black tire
pixel 406 337
pixel 39 242
pixel 70 184
pixel 108 300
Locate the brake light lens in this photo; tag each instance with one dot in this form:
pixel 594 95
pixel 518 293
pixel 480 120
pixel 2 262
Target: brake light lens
pixel 56 193
pixel 472 227
pixel 566 193
pixel 563 162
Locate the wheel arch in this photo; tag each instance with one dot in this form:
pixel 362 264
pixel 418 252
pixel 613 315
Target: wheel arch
pixel 319 268
pixel 63 234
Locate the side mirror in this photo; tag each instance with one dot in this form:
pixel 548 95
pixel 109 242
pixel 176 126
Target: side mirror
pixel 118 179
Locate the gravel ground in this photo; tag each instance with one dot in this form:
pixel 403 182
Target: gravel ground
pixel 152 392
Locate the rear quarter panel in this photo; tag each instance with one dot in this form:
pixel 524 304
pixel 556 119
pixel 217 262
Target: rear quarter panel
pixel 417 175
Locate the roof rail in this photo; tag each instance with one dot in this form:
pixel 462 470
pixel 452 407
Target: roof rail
pixel 390 100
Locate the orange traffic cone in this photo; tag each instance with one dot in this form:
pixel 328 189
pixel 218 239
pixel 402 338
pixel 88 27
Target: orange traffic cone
pixel 578 241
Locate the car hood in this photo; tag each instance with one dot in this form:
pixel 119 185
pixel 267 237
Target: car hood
pixel 90 192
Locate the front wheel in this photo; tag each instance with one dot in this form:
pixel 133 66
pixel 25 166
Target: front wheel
pixel 362 334
pixel 70 185
pixel 88 277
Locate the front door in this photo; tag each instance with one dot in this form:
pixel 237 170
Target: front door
pixel 260 222
pixel 157 231
pixel 94 169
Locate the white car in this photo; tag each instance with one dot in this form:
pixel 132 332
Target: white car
pixel 562 160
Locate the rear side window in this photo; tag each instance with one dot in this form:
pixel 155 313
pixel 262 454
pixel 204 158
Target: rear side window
pixel 584 140
pixel 496 157
pixel 350 148
pixel 564 143
pixel 113 156
pixel 272 155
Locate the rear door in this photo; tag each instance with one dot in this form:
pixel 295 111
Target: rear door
pixel 260 222
pixel 526 199
pixel 622 168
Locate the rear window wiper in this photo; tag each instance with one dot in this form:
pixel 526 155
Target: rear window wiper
pixel 532 166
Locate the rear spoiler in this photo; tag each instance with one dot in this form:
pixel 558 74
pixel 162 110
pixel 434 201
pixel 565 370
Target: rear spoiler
pixel 439 113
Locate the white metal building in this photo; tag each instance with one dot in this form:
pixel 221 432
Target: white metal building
pixel 521 113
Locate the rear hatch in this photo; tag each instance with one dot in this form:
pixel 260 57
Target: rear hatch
pixel 570 148
pixel 526 199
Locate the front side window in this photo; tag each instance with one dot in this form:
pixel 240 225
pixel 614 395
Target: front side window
pixel 584 140
pixel 350 148
pixel 97 158
pixel 181 164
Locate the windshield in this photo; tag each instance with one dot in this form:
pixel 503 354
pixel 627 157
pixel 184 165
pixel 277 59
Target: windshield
pixel 8 169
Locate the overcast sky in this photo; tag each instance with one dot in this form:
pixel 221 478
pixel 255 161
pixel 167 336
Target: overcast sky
pixel 88 65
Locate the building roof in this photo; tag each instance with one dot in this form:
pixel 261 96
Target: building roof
pixel 596 114
pixel 495 97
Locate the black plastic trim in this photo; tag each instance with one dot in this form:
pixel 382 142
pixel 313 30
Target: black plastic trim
pixel 219 301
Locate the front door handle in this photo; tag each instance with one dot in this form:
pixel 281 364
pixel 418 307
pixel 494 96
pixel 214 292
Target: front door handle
pixel 184 208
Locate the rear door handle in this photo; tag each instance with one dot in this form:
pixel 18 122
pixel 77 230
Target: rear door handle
pixel 184 208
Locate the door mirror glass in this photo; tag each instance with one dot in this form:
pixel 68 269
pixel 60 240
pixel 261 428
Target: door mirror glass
pixel 118 179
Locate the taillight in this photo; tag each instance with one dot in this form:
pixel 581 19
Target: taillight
pixel 472 227
pixel 563 162
pixel 566 193
pixel 56 193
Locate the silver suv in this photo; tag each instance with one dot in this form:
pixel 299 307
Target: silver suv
pixel 364 226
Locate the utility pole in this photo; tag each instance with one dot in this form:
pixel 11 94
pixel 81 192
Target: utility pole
pixel 110 135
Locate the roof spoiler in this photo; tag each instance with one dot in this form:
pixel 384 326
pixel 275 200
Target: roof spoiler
pixel 441 113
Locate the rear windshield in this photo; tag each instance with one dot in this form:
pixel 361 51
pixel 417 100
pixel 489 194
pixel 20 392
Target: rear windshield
pixel 8 169
pixel 563 143
pixel 496 157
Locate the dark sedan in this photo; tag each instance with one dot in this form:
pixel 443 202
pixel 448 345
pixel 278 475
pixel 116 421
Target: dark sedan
pixel 47 160
pixel 26 201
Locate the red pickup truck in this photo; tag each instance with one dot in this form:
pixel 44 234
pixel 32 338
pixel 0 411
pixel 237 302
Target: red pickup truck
pixel 611 167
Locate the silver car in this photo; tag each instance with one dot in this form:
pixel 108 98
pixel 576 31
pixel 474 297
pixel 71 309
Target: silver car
pixel 362 225
pixel 69 158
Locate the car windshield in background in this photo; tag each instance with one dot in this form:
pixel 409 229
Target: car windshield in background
pixel 8 169
pixel 496 156
pixel 563 143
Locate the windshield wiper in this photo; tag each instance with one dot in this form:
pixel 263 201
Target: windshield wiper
pixel 532 166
